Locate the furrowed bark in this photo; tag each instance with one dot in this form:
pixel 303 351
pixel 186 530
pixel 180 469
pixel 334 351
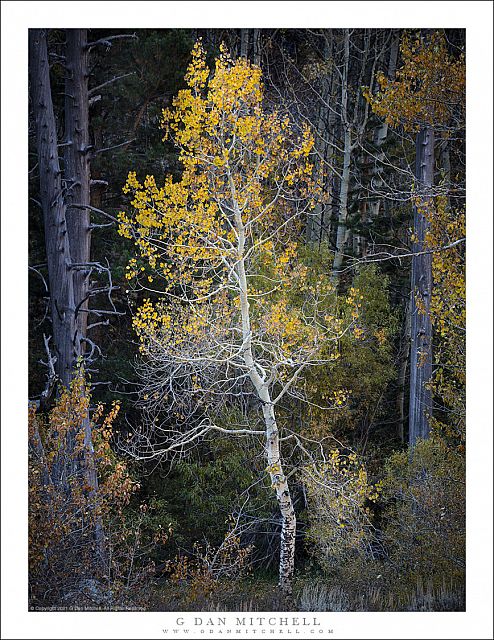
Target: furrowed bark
pixel 66 233
pixel 76 168
pixel 421 291
pixel 78 178
pixel 58 254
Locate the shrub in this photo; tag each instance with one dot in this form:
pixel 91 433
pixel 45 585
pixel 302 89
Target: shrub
pixel 338 493
pixel 85 545
pixel 424 529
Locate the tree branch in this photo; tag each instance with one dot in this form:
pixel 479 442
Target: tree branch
pixel 94 90
pixel 107 42
pixel 95 209
pixel 115 146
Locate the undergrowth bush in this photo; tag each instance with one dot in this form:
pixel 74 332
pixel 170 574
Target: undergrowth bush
pixel 424 507
pixel 87 547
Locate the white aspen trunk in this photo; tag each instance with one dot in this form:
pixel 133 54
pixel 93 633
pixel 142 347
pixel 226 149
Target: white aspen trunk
pixel 381 133
pixel 244 43
pixel 318 227
pixel 275 468
pixel 257 47
pixel 342 233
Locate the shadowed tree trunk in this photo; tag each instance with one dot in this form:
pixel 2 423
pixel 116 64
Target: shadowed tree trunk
pixel 67 233
pixel 77 175
pixel 380 135
pixel 62 297
pixel 77 171
pixel 421 290
pixel 244 43
pixel 342 232
pixel 402 374
pixel 318 228
pixel 256 57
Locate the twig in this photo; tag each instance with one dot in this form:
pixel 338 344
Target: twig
pixel 92 91
pixel 108 41
pixel 115 146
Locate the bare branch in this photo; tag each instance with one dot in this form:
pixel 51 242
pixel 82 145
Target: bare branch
pixel 107 42
pixel 115 146
pixel 104 84
pixel 96 210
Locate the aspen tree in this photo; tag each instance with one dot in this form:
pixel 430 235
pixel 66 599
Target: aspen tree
pixel 219 249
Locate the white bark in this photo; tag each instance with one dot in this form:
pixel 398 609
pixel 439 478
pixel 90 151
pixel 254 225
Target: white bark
pixel 318 228
pixel 275 468
pixel 341 234
pixel 381 133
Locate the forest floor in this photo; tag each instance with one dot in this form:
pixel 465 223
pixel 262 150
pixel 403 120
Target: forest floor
pixel 310 594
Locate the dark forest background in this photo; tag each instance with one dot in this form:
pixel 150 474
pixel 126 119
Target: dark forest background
pixel 201 531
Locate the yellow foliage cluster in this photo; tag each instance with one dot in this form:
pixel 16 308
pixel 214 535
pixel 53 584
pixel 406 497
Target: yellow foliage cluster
pixel 429 87
pixel 77 486
pixel 448 314
pixel 338 492
pixel 238 158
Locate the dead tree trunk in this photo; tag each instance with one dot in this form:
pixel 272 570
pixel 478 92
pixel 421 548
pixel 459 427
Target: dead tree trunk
pixel 421 290
pixel 78 179
pixel 77 171
pixel 67 236
pixel 62 301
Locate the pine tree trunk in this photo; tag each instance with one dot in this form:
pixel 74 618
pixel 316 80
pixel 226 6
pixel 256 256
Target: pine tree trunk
pixel 66 235
pixel 421 291
pixel 78 178
pixel 77 171
pixel 62 301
